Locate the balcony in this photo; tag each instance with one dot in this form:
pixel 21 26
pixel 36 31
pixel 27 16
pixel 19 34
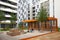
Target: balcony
pixel 7 15
pixel 7 4
pixel 15 1
pixel 8 9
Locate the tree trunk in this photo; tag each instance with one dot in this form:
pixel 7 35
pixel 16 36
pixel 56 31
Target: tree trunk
pixel 45 25
pixel 38 26
pixel 42 26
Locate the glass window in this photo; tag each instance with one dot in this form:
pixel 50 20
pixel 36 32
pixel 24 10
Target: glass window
pixel 18 7
pixel 33 17
pixel 19 17
pixel 33 11
pixel 36 10
pixel 23 1
pixel 28 18
pixel 28 14
pixel 33 7
pixel 37 6
pixel 32 0
pixel 33 14
pixel 28 11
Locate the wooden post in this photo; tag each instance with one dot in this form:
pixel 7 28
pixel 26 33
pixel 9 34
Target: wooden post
pixel 28 26
pixel 56 26
pixel 36 25
pixel 33 25
pixel 23 27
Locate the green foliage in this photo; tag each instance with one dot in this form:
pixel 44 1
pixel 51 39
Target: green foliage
pixel 59 29
pixel 42 15
pixel 25 28
pixel 21 26
pixel 13 18
pixel 2 17
pixel 7 28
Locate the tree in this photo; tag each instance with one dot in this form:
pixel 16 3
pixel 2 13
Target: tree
pixel 2 17
pixel 13 18
pixel 42 16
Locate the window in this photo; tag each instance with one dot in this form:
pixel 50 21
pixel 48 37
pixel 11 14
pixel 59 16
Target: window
pixel 21 14
pixel 23 1
pixel 38 0
pixel 33 7
pixel 22 10
pixel 28 14
pixel 28 18
pixel 28 11
pixel 18 7
pixel 33 14
pixel 19 17
pixel 37 6
pixel 33 11
pixel 32 0
pixel 33 17
pixel 36 10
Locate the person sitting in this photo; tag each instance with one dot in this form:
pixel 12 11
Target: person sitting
pixel 32 30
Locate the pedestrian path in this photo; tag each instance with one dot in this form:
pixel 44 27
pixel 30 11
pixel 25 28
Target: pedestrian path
pixel 52 36
pixel 4 36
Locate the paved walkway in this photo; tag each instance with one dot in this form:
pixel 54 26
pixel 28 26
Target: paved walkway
pixel 4 36
pixel 52 36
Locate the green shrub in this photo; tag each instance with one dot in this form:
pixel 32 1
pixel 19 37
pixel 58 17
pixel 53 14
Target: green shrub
pixel 7 28
pixel 59 29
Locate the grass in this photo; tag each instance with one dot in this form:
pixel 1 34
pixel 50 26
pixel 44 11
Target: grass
pixel 4 29
pixel 25 28
pixel 59 29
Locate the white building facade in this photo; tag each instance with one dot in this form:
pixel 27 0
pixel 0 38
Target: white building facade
pixel 31 5
pixel 27 9
pixel 8 7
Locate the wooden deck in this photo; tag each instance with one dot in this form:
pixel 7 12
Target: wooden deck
pixel 51 36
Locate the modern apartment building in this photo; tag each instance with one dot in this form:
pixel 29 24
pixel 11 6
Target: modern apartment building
pixel 9 8
pixel 52 7
pixel 28 9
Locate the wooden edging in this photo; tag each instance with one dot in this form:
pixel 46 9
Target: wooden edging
pixel 36 36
